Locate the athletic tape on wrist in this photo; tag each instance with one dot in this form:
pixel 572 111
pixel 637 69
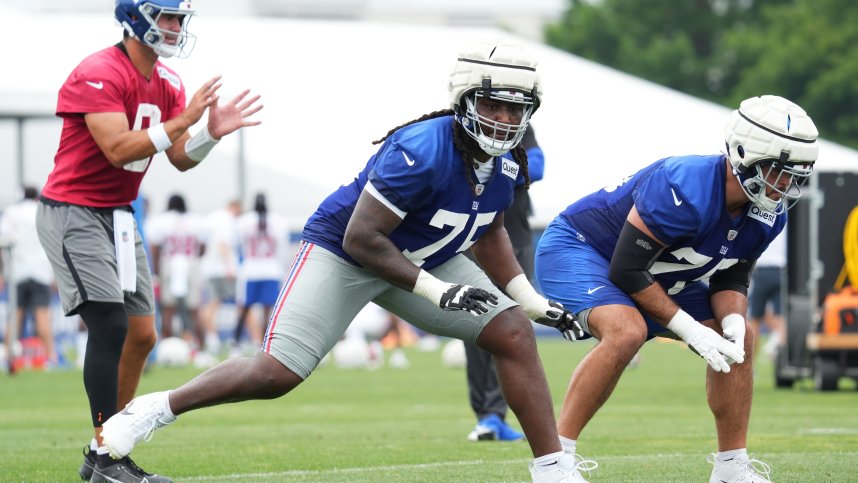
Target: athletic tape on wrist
pixel 681 323
pixel 198 146
pixel 158 136
pixel 520 290
pixel 429 287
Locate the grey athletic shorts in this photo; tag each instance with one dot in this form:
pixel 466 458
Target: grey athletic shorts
pixel 222 289
pixel 79 243
pixel 323 293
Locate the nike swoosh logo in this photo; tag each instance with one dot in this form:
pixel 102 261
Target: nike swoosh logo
pixel 97 85
pixel 676 200
pixel 409 162
pixel 126 411
pixel 590 291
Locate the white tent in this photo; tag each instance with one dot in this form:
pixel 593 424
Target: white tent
pixel 330 88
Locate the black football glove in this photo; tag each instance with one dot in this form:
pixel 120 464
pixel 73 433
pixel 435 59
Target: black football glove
pixel 563 320
pixel 470 299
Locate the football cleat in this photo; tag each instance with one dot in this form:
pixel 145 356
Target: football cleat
pixel 85 470
pixel 140 418
pixel 567 469
pixel 125 471
pixel 740 469
pixel 493 428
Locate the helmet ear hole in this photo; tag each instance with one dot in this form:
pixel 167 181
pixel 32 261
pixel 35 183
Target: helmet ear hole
pixel 741 150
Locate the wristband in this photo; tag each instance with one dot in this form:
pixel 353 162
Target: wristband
pixel 430 287
pixel 682 323
pixel 520 290
pixel 198 147
pixel 158 136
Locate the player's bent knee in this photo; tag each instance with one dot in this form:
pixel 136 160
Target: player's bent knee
pixel 508 333
pixel 630 336
pixel 272 378
pixel 142 335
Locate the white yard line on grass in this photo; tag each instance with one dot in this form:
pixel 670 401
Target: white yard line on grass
pixel 380 469
pixel 334 472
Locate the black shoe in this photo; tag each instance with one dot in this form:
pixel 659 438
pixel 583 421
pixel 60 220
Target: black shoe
pixel 88 464
pixel 124 471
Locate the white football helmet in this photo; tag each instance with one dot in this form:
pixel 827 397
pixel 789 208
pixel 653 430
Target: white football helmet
pixel 140 19
pixel 771 144
pixel 501 71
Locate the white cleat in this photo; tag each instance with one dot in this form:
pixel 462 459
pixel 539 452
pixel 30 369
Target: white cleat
pixel 140 418
pixel 567 470
pixel 741 469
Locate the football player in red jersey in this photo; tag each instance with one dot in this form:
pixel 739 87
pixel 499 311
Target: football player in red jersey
pixel 120 106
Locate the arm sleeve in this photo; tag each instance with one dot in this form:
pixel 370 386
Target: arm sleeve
pixel 634 255
pixel 736 278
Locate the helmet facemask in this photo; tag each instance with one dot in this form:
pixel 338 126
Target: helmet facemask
pixel 494 137
pixel 156 37
pixel 770 177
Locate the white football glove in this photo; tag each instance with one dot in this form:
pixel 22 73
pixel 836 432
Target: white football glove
pixel 733 327
pixel 542 311
pixel 713 348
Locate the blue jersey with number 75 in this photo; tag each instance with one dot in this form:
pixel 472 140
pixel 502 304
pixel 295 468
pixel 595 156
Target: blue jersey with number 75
pixel 419 175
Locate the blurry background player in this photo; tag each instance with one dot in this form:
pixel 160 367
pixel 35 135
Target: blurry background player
pixel 219 267
pixel 764 298
pixel 437 186
pixel 33 277
pixel 175 245
pixel 121 106
pixel 668 251
pixel 263 238
pixel 484 391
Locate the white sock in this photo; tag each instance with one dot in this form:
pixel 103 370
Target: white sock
pixel 548 459
pixel 93 445
pixel 568 444
pixel 725 456
pixel 167 408
pixel 102 450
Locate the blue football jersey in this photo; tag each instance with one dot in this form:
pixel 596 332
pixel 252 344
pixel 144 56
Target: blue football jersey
pixel 421 176
pixel 682 201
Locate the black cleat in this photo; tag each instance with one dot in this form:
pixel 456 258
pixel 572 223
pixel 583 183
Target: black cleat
pixel 124 471
pixel 88 464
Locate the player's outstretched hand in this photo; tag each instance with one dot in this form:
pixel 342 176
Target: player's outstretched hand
pixel 467 298
pixel 204 97
pixel 234 115
pixel 555 315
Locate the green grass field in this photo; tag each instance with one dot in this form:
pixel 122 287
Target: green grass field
pixel 395 425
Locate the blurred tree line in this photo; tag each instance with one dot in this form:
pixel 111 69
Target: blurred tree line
pixel 729 50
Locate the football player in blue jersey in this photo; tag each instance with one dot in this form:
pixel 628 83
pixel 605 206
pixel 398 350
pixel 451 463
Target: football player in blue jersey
pixel 436 187
pixel 669 252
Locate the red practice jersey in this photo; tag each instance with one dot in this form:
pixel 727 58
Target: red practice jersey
pixel 107 81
